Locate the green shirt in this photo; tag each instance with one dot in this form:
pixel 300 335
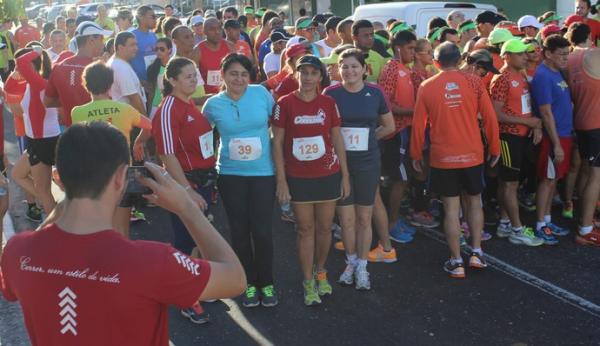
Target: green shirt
pixel 375 63
pixel 123 116
pixel 106 24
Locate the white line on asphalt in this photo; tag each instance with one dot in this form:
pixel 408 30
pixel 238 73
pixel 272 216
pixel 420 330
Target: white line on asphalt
pixel 238 317
pixel 530 279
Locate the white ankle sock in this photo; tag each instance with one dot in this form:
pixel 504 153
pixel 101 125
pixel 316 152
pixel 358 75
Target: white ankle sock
pixel 539 225
pixel 361 264
pixel 351 259
pixel 547 218
pixel 585 230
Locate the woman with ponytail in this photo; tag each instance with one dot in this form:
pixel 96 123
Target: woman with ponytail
pixel 184 143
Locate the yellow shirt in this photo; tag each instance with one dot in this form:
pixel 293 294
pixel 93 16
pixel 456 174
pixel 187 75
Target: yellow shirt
pixel 123 116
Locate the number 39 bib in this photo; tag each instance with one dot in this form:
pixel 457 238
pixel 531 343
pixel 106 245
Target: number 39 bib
pixel 308 148
pixel 355 138
pixel 245 149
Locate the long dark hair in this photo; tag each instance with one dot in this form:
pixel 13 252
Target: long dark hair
pixel 173 70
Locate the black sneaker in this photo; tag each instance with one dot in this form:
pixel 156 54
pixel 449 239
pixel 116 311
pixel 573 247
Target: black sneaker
pixel 196 314
pixel 456 270
pixel 34 213
pixel 250 297
pixel 268 297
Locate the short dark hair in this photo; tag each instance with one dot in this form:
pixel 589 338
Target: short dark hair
pixel 234 58
pixel 169 6
pixel 268 16
pixel 142 10
pixel 243 20
pixel 447 31
pixel 356 54
pixel 554 42
pixel 97 78
pixel 332 23
pixel 341 25
pixel 125 14
pixel 167 41
pixel 436 22
pixel 57 32
pixel 233 10
pixel 578 33
pixel 87 157
pixel 70 21
pixel 48 28
pixel 170 24
pixel 402 38
pixel 302 12
pixel 121 38
pixel 360 24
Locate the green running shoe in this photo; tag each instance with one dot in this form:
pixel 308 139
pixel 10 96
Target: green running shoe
pixel 311 296
pixel 250 297
pixel 323 286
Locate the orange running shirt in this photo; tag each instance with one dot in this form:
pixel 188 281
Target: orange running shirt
pixel 451 102
pixel 396 81
pixel 512 89
pixel 585 92
pixel 242 47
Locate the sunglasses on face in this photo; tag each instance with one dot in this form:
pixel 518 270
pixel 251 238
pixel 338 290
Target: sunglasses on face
pixel 160 49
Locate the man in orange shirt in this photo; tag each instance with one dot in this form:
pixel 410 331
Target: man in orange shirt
pixel 232 33
pixel 512 102
pixel 26 33
pixel 451 103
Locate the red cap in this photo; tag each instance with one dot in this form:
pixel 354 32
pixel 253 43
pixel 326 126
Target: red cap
pixel 573 19
pixel 512 27
pixel 549 30
pixel 295 50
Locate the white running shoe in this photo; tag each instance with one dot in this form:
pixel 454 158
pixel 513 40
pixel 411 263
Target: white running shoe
pixel 525 237
pixel 362 280
pixel 347 277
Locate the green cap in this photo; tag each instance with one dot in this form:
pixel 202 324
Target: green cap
pixel 331 59
pixel 248 10
pixel 498 36
pixel 400 26
pixel 381 39
pixel 514 46
pixel 468 26
pixel 554 17
pixel 260 12
pixel 304 22
pixel 436 34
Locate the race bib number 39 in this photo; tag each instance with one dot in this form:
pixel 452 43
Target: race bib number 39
pixel 213 78
pixel 355 138
pixel 206 145
pixel 308 148
pixel 245 149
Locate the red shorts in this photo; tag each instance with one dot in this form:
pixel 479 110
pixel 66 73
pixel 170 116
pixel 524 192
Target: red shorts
pixel 546 167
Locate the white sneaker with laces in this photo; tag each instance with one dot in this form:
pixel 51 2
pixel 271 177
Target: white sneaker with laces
pixel 362 280
pixel 347 277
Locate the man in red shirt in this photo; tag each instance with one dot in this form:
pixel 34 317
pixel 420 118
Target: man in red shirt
pixel 64 85
pixel 451 103
pixel 26 33
pixel 210 53
pixel 80 282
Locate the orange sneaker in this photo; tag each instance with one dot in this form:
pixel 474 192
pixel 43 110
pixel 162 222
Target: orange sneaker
pixel 378 254
pixel 339 245
pixel 592 238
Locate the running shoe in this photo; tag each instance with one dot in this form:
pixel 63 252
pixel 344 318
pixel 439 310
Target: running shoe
pixel 456 270
pixel 323 286
pixel 557 230
pixel 337 231
pixel 525 236
pixel 137 215
pixel 401 232
pixel 378 254
pixel 34 213
pixel 424 219
pixel 196 314
pixel 288 216
pixel 546 234
pixel 477 261
pixel 250 297
pixel 504 230
pixel 527 201
pixel 362 280
pixel 405 227
pixel 592 238
pixel 485 236
pixel 339 245
pixel 268 296
pixel 567 211
pixel 311 296
pixel 347 277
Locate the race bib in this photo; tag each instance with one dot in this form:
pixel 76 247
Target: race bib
pixel 149 59
pixel 245 149
pixel 213 78
pixel 206 145
pixel 356 138
pixel 525 104
pixel 308 148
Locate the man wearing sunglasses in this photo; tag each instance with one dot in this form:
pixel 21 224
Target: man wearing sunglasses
pixel 146 40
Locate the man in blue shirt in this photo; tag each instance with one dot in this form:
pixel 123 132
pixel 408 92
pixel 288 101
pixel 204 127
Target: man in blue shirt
pixel 146 40
pixel 552 102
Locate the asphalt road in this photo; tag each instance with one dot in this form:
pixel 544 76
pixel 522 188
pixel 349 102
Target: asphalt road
pixel 529 296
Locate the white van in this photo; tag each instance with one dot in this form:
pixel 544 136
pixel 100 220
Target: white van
pixel 418 13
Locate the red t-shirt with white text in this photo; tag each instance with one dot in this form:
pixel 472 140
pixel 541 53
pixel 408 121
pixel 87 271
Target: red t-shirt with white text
pixel 308 149
pixel 98 289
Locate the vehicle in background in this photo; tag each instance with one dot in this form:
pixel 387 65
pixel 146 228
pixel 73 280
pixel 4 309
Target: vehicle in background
pixel 56 10
pixel 34 11
pixel 91 10
pixel 418 13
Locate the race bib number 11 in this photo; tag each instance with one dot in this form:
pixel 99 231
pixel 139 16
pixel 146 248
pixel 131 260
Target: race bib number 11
pixel 355 138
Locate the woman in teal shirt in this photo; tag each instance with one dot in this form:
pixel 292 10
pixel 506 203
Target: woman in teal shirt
pixel 241 114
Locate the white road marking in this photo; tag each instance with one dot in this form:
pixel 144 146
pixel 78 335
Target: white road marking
pixel 530 279
pixel 238 317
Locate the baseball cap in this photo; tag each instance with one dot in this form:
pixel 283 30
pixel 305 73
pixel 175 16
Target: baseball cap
pixel 279 35
pixel 573 19
pixel 549 30
pixel 465 26
pixel 197 19
pixel 319 18
pixel 529 20
pixel 295 40
pixel 515 46
pixel 309 60
pixel 260 12
pixel 210 13
pixel 88 28
pixel 295 50
pixel 435 34
pixel 483 58
pixel 331 59
pixel 510 26
pixel 400 26
pixel 552 18
pixel 498 36
pixel 304 22
pixel 248 10
pixel 231 24
pixel 489 17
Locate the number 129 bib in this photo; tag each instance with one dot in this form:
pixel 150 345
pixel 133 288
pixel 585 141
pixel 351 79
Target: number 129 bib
pixel 308 148
pixel 355 138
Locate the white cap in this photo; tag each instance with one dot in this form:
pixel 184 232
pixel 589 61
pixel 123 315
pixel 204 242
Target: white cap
pixel 88 28
pixel 296 39
pixel 210 13
pixel 529 20
pixel 197 19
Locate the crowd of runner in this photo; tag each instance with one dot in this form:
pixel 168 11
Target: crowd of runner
pixel 349 125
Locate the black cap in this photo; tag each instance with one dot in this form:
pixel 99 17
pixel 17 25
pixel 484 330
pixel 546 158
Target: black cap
pixel 483 58
pixel 231 24
pixel 279 35
pixel 319 18
pixel 309 60
pixel 489 17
